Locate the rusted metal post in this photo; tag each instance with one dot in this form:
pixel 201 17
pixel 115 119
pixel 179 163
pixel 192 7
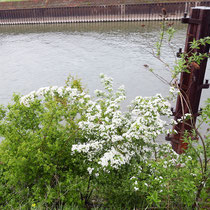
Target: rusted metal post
pixel 191 84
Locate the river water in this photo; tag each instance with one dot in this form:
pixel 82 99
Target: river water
pixel 34 56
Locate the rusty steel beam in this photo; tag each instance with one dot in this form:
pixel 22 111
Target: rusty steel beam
pixel 191 84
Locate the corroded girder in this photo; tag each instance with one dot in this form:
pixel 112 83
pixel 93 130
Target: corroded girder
pixel 191 84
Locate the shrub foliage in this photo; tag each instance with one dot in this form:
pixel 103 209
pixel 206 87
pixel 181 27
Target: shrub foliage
pixel 62 147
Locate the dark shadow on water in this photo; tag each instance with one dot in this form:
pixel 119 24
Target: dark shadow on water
pixel 99 27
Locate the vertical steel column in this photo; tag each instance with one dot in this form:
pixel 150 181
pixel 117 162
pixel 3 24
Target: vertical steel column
pixel 191 84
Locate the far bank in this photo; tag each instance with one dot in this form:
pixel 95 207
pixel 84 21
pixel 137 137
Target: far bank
pixel 72 11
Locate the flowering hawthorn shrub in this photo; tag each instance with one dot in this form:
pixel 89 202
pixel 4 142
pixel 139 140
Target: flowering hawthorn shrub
pixel 114 138
pixel 60 146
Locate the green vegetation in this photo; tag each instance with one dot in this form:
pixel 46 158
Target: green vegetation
pixel 63 149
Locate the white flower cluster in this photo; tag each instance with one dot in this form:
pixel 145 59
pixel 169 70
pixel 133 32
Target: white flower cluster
pixel 171 158
pixel 135 183
pixel 146 121
pixel 73 93
pixel 90 170
pixel 174 91
pixel 156 170
pixel 114 137
pixel 187 116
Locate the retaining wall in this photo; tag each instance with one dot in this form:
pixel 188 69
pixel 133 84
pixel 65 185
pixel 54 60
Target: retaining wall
pixel 97 13
pixel 29 4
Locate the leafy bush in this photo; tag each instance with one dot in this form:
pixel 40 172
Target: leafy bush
pixel 61 147
pixel 38 133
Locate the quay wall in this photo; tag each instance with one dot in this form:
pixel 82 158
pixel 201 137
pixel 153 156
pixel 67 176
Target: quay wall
pixel 69 11
pixel 29 4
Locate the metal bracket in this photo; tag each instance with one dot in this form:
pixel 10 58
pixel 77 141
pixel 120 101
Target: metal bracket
pixel 168 137
pixel 171 139
pixel 173 112
pixel 190 20
pixel 199 113
pixel 178 54
pixel 205 85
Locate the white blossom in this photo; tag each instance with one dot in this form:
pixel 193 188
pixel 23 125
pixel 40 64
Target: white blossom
pixel 90 170
pixel 136 188
pixel 112 137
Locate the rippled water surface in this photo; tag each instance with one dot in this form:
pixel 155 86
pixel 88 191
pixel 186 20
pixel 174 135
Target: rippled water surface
pixel 34 56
